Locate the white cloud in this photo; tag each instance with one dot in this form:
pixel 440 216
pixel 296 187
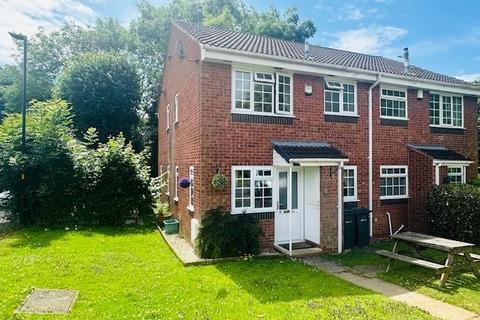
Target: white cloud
pixel 468 76
pixel 372 40
pixel 27 16
pixel 354 14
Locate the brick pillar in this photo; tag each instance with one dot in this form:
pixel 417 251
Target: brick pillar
pixel 328 208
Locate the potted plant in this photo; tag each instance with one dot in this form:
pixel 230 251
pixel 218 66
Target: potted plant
pixel 219 181
pixel 184 182
pixel 162 211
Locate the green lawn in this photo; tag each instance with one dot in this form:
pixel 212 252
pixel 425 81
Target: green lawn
pixel 132 274
pixel 462 289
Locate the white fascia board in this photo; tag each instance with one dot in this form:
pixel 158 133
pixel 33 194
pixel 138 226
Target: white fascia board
pixel 232 56
pixel 319 162
pixel 451 162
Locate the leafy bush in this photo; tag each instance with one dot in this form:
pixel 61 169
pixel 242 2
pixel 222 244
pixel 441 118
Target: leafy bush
pixel 61 181
pixel 224 235
pixel 41 179
pixel 453 212
pixel 476 182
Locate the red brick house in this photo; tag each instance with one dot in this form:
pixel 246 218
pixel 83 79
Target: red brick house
pixel 303 132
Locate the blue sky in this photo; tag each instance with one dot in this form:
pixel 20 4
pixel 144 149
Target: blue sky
pixel 442 36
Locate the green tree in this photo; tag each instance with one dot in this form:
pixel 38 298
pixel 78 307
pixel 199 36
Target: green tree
pixel 104 92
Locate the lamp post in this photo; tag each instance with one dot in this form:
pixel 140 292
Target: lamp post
pixel 18 36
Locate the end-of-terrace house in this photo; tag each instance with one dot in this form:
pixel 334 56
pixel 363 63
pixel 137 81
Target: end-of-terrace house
pixel 303 132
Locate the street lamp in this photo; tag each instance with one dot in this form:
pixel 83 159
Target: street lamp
pixel 18 36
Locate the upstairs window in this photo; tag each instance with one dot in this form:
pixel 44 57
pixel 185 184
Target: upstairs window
pixel 176 184
pixel 340 98
pixel 191 177
pixel 393 182
pixel 168 117
pixel 393 103
pixel 446 111
pixel 262 93
pixel 168 180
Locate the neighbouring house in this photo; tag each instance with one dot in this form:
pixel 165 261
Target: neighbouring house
pixel 303 132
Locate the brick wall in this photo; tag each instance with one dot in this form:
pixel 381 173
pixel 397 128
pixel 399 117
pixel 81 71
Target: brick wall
pixel 181 144
pixel 208 138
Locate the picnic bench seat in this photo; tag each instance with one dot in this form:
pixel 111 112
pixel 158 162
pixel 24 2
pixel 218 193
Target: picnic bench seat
pixel 475 257
pixel 418 262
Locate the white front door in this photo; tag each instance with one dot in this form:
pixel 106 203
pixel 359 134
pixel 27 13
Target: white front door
pixel 312 204
pixel 282 214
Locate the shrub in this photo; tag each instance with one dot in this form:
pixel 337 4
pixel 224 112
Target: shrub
pixel 224 235
pixel 453 212
pixel 41 179
pixel 61 181
pixel 476 182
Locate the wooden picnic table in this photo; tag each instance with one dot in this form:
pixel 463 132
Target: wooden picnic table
pixel 418 241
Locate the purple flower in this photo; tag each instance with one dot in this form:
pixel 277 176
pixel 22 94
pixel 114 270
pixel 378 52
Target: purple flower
pixel 184 182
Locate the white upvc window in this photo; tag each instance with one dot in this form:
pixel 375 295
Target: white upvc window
pixel 168 180
pixel 191 177
pixel 393 182
pixel 263 93
pixel 446 110
pixel 176 184
pixel 176 108
pixel 168 117
pixel 252 189
pixel 340 98
pixel 393 103
pixel 350 183
pixel 456 174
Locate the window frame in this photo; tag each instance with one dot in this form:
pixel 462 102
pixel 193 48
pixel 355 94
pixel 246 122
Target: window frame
pixel 191 188
pixel 168 116
pixel 386 97
pixel 275 112
pixel 394 175
pixel 176 103
pixel 462 173
pixel 342 82
pixel 168 180
pixel 440 101
pixel 176 184
pixel 355 184
pixel 253 177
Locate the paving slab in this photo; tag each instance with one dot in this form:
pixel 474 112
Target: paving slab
pixel 434 307
pixel 369 271
pixel 49 301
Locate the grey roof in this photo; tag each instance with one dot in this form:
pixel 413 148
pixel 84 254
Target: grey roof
pixel 306 150
pixel 291 50
pixel 439 152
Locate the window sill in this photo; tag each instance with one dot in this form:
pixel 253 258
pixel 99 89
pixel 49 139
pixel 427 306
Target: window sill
pixel 190 208
pixel 446 127
pixel 394 198
pixel 266 114
pixel 249 210
pixel 353 115
pixel 350 200
pixel 175 199
pixel 394 118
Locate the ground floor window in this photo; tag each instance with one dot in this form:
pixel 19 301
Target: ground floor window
pixel 349 183
pixel 456 174
pixel 191 177
pixel 393 182
pixel 252 189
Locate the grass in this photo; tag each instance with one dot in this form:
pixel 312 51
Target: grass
pixel 130 273
pixel 462 289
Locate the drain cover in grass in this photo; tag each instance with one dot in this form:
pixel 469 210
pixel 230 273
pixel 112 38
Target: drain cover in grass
pixel 49 301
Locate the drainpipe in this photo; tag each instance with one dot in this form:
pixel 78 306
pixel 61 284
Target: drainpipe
pixel 370 151
pixel 340 208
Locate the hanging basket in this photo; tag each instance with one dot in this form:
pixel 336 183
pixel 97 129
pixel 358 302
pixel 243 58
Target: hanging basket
pixel 219 181
pixel 184 182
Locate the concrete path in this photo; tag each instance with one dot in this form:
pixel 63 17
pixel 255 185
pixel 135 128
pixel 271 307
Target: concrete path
pixel 434 307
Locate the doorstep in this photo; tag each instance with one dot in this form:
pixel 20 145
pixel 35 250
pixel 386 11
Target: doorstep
pixel 187 255
pixel 301 249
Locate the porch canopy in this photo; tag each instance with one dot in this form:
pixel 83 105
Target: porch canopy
pixel 306 153
pixel 442 156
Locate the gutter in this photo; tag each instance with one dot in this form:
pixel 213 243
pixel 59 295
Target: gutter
pixel 370 151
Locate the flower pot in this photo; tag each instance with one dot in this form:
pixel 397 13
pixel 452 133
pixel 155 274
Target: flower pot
pixel 171 226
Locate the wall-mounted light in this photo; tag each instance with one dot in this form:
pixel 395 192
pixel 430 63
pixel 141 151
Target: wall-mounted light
pixel 308 90
pixel 419 94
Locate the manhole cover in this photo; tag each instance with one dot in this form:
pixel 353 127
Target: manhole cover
pixel 49 301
